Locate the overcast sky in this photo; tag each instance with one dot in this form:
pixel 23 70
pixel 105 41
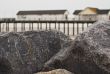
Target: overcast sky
pixel 9 8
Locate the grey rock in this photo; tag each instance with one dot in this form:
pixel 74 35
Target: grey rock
pixel 57 71
pixel 26 53
pixel 88 54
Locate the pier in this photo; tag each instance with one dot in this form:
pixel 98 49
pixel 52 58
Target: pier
pixel 69 27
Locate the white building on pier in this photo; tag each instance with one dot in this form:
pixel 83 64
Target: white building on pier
pixel 43 15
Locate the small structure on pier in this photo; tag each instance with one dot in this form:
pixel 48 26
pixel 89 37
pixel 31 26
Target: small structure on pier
pixel 92 14
pixel 43 15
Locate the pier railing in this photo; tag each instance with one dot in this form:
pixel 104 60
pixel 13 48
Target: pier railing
pixel 70 28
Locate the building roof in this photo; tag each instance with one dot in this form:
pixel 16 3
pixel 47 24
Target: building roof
pixel 77 12
pixel 103 11
pixel 40 12
pixel 98 11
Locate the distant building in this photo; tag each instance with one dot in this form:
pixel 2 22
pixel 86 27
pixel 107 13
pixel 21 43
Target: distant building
pixel 92 14
pixel 43 15
pixel 7 19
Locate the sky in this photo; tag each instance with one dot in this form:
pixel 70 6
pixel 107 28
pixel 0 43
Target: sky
pixel 9 8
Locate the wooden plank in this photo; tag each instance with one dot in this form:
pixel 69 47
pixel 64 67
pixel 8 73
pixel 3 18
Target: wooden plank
pixel 50 21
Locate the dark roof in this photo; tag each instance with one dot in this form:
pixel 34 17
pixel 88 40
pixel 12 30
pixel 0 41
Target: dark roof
pixel 99 11
pixel 77 12
pixel 40 12
pixel 103 11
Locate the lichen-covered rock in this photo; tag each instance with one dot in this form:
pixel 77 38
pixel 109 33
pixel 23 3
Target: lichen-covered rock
pixel 57 71
pixel 26 53
pixel 89 53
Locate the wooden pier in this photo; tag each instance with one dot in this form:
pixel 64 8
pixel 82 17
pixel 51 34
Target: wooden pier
pixel 68 27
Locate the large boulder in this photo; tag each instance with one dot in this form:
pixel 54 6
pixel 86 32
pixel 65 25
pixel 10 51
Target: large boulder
pixel 88 54
pixel 57 71
pixel 26 53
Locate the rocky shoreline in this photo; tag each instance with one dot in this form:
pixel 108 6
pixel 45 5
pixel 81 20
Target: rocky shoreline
pixel 52 52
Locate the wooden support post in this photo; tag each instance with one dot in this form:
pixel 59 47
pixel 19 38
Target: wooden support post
pixel 58 26
pixel 49 26
pixel 0 27
pixel 87 24
pixel 7 27
pixel 40 25
pixel 32 27
pixel 55 25
pixel 77 28
pixel 23 27
pixel 46 25
pixel 64 28
pixel 82 26
pixel 29 26
pixel 73 29
pixel 68 29
pixel 15 27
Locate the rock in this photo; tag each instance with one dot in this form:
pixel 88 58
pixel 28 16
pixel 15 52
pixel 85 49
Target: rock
pixel 26 53
pixel 88 54
pixel 57 71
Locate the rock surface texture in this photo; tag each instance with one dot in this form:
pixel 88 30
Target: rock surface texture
pixel 26 53
pixel 88 54
pixel 57 71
